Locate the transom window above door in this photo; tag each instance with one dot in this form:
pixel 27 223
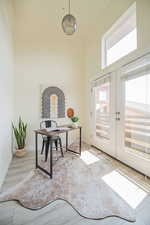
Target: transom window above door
pixel 121 39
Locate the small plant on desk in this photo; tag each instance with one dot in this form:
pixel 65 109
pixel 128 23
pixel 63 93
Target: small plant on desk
pixel 74 119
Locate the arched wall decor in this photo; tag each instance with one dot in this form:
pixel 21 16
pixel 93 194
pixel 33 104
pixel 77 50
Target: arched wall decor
pixel 53 97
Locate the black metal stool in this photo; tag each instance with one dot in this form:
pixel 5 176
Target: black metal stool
pixel 49 141
pixel 49 145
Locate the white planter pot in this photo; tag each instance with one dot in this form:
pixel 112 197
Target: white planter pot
pixel 75 125
pixel 20 152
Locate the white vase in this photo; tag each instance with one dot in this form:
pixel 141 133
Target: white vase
pixel 75 125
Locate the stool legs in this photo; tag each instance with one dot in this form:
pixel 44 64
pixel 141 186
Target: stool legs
pixel 50 144
pixel 56 145
pixel 42 147
pixel 51 160
pixel 61 148
pixel 47 149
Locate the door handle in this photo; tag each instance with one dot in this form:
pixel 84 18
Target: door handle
pixel 117 116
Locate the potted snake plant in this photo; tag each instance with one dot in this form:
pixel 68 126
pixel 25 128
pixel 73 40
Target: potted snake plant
pixel 20 133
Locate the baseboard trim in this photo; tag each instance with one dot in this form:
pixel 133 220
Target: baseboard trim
pixel 6 171
pixel 120 161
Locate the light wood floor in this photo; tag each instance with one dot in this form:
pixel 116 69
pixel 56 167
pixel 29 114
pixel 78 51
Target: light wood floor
pixel 59 212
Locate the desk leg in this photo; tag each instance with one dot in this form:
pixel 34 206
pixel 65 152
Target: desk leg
pixel 66 141
pixel 80 143
pixel 36 150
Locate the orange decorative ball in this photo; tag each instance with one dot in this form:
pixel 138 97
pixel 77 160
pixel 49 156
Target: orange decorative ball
pixel 70 112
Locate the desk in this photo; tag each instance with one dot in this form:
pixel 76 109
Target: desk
pixel 54 133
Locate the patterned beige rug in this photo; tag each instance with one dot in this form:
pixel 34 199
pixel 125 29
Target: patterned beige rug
pixel 77 180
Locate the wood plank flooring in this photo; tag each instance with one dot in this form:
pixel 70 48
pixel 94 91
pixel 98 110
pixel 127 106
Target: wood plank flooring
pixel 60 212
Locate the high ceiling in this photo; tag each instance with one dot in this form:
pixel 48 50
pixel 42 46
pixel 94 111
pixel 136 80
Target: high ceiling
pixel 47 14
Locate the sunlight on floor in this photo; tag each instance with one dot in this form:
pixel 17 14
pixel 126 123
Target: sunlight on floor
pixel 129 191
pixel 88 157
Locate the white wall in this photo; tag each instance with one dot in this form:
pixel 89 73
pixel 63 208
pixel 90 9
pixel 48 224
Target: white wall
pixel 6 85
pixel 93 44
pixel 45 56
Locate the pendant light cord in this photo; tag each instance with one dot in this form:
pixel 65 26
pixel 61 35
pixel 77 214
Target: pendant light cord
pixel 69 6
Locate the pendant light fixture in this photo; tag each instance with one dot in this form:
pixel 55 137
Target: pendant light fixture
pixel 69 24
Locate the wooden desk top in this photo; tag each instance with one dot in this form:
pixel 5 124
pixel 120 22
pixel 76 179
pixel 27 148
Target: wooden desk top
pixel 57 132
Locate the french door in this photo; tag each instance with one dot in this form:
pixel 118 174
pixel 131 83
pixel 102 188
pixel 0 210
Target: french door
pixel 121 115
pixel 103 114
pixel 133 127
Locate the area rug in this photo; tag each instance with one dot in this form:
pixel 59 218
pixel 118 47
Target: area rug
pixel 77 180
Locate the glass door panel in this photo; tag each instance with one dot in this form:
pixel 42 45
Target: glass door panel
pixel 133 126
pixel 137 115
pixel 102 96
pixel 103 112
